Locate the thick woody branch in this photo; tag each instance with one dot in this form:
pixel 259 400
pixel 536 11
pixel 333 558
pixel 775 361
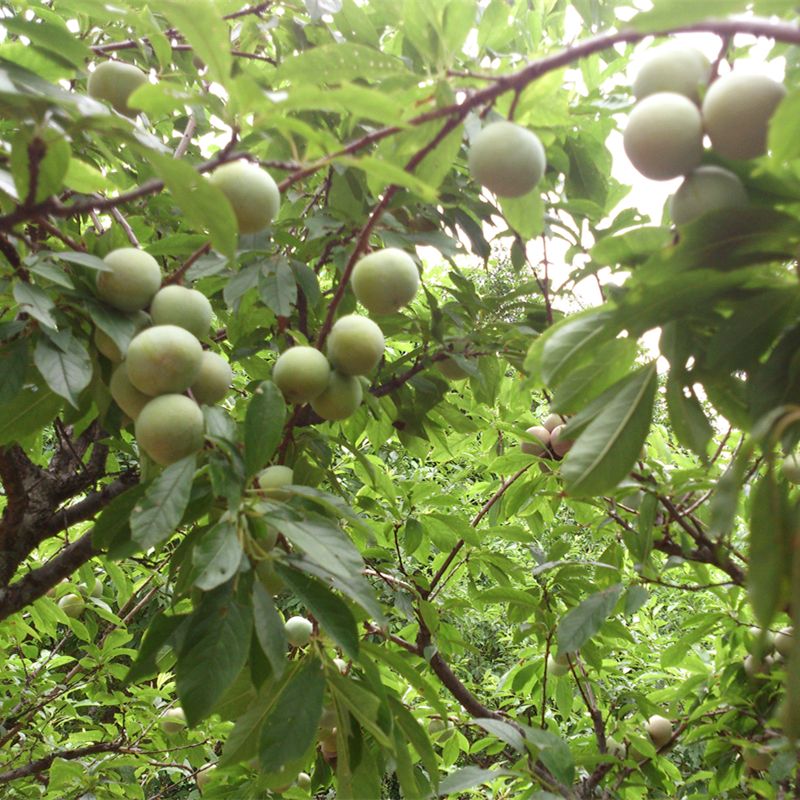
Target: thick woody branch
pixel 43 764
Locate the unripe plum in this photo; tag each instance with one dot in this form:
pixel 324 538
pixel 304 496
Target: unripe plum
pixel 659 729
pixel 706 189
pixel 272 479
pixel 451 369
pixel 736 112
pixel 555 668
pixel 203 777
pixel 783 641
pixel 559 445
pixel 790 466
pixel 664 136
pixel 125 394
pixel 303 781
pixel 164 359
pixel 133 280
pixel 553 421
pixel 169 428
pixel 675 68
pixel 186 308
pixel 755 666
pixel 385 281
pixel 760 641
pixel 355 345
pixel 507 159
pixel 615 748
pixel 173 720
pixel 298 631
pixel 537 448
pixel 213 380
pixel 265 534
pixel 252 193
pixel 107 346
pixel 301 373
pixel 341 398
pixel 115 82
pixel 72 605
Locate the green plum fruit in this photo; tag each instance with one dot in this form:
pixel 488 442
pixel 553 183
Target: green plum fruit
pixel 298 631
pixel 659 729
pixel 355 345
pixel 615 748
pixel 108 347
pixel 169 428
pixel 507 159
pixel 301 373
pixel 451 369
pixel 272 479
pixel 125 394
pixel 556 668
pixel 790 466
pixel 704 190
pixel 664 136
pixel 303 781
pixel 736 111
pixel 186 308
pixel 558 444
pixel 755 666
pixel 115 82
pixel 164 359
pixel 132 281
pixel 214 379
pixel 385 281
pixel 783 641
pixel 341 398
pixel 204 776
pixel 760 641
pixel 72 605
pixel 252 193
pixel 672 68
pixel 172 721
pixel 265 534
pixel 538 447
pixel 552 421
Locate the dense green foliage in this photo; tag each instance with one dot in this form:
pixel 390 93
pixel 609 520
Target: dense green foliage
pixel 465 619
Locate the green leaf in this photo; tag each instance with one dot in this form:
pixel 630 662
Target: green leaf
pixel 291 726
pixel 213 651
pixel 114 521
pixel 688 419
pixel 160 632
pixel 217 555
pixel 44 158
pixel 335 63
pixel 36 302
pixel 525 214
pixel 579 624
pixel 242 742
pixel 204 29
pixel 467 778
pixel 382 174
pixel 158 515
pixel 28 412
pixel 277 286
pixel 269 629
pixel 263 426
pixel 67 371
pixel 503 731
pixel 554 753
pixel 334 617
pixel 784 129
pixel 204 205
pixel 13 367
pixel 609 446
pixel 770 548
pixel 666 14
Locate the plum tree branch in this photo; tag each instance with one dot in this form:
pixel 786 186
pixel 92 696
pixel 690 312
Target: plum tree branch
pixel 42 764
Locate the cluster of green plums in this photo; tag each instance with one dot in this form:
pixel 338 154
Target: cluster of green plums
pixel 665 131
pixel 547 439
pixel 164 360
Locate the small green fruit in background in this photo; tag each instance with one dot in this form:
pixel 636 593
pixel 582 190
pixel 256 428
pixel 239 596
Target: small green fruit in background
pixel 664 136
pixel 539 447
pixel 355 345
pixel 301 373
pixel 784 639
pixel 164 359
pixel 214 379
pixel 133 280
pixel 272 479
pixel 125 394
pixel 675 68
pixel 791 468
pixel 186 308
pixel 341 398
pixel 298 631
pixel 252 193
pixel 736 111
pixel 556 667
pixel 202 778
pixel 704 190
pixel 385 281
pixel 451 369
pixel 615 748
pixel 507 159
pixel 755 666
pixel 72 605
pixel 659 729
pixel 303 781
pixel 173 721
pixel 169 428
pixel 115 82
